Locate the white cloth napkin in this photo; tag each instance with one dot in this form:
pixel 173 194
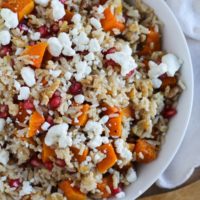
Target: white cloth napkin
pixel 188 156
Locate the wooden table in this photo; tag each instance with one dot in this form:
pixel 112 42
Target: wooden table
pixel 189 191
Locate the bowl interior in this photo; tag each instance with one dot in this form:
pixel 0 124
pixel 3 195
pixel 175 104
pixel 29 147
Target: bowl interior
pixel 173 42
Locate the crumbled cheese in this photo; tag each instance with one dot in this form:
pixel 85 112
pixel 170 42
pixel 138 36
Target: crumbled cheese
pixel 43 3
pixel 11 18
pixel 94 127
pixel 100 9
pixel 35 36
pixel 66 42
pixel 173 64
pixel 68 76
pixel 19 51
pixel 120 195
pixel 122 149
pixel 94 45
pixel 2 124
pixel 26 188
pixel 28 75
pixel 4 157
pixel 55 73
pixel 76 18
pixel 104 119
pixel 81 41
pixel 95 23
pixel 131 175
pixel 5 37
pixel 98 157
pixel 79 98
pixel 82 70
pixel 96 141
pixel 156 83
pixel 45 126
pixel 54 46
pixel 156 70
pixel 105 140
pixel 17 85
pixel 58 9
pixel 124 59
pixel 89 57
pixel 24 93
pixel 58 134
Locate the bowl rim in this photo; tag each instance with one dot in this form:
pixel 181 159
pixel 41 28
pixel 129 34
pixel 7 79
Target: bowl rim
pixel 150 182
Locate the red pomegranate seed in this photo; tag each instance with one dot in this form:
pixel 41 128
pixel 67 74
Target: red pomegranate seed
pixel 75 88
pixel 36 162
pixel 14 183
pixel 55 102
pixel 109 51
pixel 63 1
pixel 48 165
pixel 3 111
pixel 31 43
pixel 5 50
pixel 44 32
pixel 23 27
pixel 49 119
pixel 60 163
pixel 130 74
pixel 56 94
pixel 110 63
pixel 55 28
pixel 169 113
pixel 28 104
pixel 116 191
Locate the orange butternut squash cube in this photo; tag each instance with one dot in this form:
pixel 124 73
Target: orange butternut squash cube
pixel 21 7
pixel 83 118
pixel 36 52
pixel 109 160
pixel 80 158
pixel 109 22
pixel 147 150
pixel 70 192
pixel 152 43
pixel 115 126
pixel 35 122
pixel 47 153
pixel 107 181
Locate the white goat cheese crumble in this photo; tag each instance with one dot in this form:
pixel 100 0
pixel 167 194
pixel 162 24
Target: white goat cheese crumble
pixel 28 75
pixel 58 134
pixel 10 18
pixel 58 9
pixel 131 175
pixel 4 157
pixel 79 98
pixel 26 188
pixel 123 150
pixel 2 124
pixel 66 43
pixel 54 46
pixel 82 70
pixel 95 23
pixel 24 93
pixel 5 37
pixel 124 59
pixel 43 3
pixel 172 62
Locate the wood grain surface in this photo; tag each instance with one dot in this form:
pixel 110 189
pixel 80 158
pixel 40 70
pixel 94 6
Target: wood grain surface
pixel 190 192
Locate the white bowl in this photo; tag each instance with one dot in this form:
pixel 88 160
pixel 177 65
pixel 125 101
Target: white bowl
pixel 173 41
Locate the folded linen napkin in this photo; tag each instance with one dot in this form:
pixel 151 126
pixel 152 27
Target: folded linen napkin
pixel 188 156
